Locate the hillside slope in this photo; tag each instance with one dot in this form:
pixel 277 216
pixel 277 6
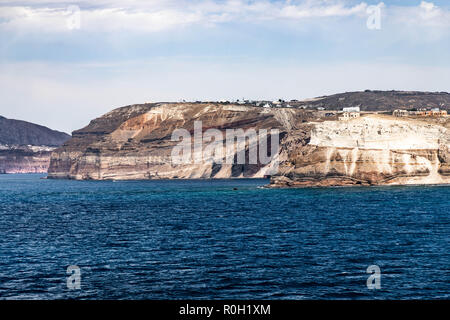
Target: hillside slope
pixel 373 100
pixel 18 132
pixel 26 147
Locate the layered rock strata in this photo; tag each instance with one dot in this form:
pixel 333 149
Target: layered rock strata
pixel 372 150
pixel 136 142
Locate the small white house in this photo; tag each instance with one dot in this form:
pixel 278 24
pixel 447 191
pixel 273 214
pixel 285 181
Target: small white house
pixel 351 109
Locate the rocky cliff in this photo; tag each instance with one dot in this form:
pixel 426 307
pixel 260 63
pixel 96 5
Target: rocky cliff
pixel 26 147
pixel 370 150
pixel 136 142
pixel 24 159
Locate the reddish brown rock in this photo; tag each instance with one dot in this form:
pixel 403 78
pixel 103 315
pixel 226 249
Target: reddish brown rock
pixel 134 142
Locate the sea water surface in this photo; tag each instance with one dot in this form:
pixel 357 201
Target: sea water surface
pixel 220 239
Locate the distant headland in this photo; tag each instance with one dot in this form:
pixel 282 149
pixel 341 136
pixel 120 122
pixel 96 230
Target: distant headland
pixel 355 138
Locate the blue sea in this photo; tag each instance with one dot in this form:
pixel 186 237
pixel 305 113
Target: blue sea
pixel 220 239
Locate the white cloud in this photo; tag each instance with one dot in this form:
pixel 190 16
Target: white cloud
pixel 67 96
pixel 336 10
pixel 427 14
pixel 157 15
pixel 160 15
pixel 431 13
pixel 428 6
pixel 423 24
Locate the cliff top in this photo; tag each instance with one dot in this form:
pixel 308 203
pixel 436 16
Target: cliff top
pixel 376 100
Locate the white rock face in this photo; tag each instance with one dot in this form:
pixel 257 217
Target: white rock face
pixel 24 159
pixel 378 150
pixel 138 142
pixel 378 133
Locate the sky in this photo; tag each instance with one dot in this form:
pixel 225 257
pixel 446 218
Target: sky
pixel 64 63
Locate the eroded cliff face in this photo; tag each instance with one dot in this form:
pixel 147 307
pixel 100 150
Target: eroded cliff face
pixel 135 142
pixel 24 159
pixel 371 150
pixel 26 147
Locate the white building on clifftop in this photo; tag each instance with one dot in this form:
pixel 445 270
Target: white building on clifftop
pixel 351 109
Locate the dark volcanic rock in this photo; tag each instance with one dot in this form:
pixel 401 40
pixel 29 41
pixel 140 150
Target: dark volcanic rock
pixel 17 132
pixel 374 100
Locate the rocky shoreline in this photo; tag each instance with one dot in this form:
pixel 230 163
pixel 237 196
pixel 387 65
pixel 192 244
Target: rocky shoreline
pixel 134 143
pixel 371 150
pixel 26 147
pixel 25 159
